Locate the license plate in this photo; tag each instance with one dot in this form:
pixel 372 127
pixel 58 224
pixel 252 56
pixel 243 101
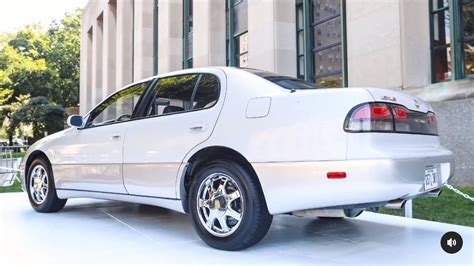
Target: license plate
pixel 431 177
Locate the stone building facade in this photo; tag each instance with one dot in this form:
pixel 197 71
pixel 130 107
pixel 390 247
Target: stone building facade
pixel 425 48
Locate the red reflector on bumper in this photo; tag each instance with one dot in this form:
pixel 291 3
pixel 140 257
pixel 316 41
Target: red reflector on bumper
pixel 335 175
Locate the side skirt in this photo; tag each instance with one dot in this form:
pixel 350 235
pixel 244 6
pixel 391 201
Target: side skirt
pixel 168 203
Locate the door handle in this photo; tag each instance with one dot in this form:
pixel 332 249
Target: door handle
pixel 116 137
pixel 197 127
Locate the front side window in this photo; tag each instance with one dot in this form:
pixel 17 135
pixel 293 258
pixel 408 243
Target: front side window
pixel 119 107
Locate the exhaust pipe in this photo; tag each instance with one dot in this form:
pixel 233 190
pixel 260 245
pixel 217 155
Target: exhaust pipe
pixel 395 204
pixel 434 193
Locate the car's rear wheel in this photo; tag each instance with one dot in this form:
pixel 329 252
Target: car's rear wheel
pixel 41 188
pixel 228 208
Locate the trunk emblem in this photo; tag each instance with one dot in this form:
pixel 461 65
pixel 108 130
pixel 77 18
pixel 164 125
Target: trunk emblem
pixel 389 98
pixel 416 104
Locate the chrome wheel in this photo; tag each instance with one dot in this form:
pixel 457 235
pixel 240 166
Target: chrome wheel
pixel 38 184
pixel 219 204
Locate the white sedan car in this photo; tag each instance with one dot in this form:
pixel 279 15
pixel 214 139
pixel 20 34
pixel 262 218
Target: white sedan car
pixel 235 146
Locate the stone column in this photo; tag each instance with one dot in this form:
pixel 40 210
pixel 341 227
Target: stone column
pixel 209 43
pixel 97 60
pixel 86 64
pixel 170 35
pixel 374 43
pixel 272 36
pixel 110 45
pixel 415 42
pixel 89 69
pixel 143 46
pixel 124 53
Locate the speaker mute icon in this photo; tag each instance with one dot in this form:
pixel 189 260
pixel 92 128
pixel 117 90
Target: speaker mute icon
pixel 451 242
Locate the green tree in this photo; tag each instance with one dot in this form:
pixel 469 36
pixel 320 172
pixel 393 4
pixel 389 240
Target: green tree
pixel 42 115
pixel 37 63
pixel 5 96
pixel 31 42
pixel 64 59
pixel 7 111
pixel 23 67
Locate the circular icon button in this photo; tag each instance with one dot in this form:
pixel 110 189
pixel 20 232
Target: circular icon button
pixel 451 242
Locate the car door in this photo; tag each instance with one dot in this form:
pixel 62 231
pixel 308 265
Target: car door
pixel 92 155
pixel 180 114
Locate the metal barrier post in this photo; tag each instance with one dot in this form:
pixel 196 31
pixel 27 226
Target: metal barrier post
pixel 409 209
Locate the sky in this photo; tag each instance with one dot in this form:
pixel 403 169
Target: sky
pixel 14 14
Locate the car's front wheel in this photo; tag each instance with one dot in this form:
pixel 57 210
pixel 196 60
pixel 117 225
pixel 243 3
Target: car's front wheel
pixel 228 208
pixel 41 188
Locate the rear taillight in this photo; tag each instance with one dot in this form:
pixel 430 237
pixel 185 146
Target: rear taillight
pixel 384 117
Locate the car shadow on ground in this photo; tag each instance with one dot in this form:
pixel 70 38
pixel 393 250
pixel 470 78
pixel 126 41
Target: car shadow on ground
pixel 156 221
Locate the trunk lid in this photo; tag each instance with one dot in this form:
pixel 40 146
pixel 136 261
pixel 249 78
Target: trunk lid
pixel 397 97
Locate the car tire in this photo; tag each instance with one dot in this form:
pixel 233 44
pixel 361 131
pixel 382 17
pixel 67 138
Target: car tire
pixel 41 188
pixel 225 192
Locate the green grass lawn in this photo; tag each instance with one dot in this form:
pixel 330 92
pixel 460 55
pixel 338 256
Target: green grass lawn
pixel 16 186
pixel 449 207
pixel 18 154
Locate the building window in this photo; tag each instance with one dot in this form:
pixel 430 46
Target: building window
pixel 320 28
pixel 452 39
pixel 300 39
pixel 155 37
pixel 237 32
pixel 187 34
pixel 441 41
pixel 467 16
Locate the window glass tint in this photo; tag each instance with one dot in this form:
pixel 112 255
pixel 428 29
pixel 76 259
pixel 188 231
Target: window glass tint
pixel 441 46
pixel 468 37
pixel 333 81
pixel 172 95
pixel 329 61
pixel 240 15
pixel 118 107
pixel 292 83
pixel 326 41
pixel 469 58
pixel 468 20
pixel 283 81
pixel 323 9
pixel 207 92
pixel 438 4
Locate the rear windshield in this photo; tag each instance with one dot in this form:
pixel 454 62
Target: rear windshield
pixel 284 81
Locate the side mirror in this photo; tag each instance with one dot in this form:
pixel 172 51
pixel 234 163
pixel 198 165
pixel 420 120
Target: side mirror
pixel 75 121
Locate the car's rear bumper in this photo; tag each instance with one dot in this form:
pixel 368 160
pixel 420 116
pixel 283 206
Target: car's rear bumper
pixel 294 186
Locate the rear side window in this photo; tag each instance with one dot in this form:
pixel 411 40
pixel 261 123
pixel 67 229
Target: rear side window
pixel 284 81
pixel 183 93
pixel 172 95
pixel 292 83
pixel 207 92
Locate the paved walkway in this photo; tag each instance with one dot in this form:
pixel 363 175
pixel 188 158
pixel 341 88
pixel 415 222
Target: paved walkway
pixel 92 231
